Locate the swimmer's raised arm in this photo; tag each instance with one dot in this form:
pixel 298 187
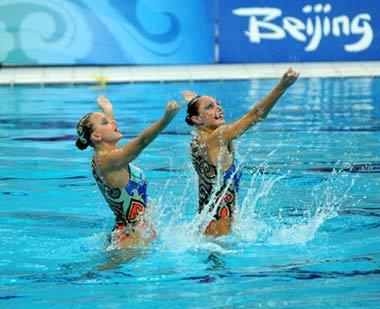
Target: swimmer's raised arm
pixel 260 110
pixel 106 106
pixel 119 158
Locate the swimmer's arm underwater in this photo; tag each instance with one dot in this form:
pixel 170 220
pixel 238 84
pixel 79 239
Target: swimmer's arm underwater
pixel 259 111
pixel 106 106
pixel 119 158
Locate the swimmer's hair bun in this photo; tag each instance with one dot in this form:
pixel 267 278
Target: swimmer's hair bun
pixel 189 121
pixel 81 145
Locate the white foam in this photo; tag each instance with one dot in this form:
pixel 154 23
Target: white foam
pixel 300 233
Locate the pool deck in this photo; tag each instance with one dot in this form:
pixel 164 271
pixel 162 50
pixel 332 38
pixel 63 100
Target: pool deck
pixel 10 76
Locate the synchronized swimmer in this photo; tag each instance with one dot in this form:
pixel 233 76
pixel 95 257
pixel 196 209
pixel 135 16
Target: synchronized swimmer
pixel 212 151
pixel 124 185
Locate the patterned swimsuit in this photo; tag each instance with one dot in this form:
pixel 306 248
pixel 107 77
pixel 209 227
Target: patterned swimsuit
pixel 214 190
pixel 128 204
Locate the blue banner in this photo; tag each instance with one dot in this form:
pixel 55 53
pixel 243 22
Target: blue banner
pixel 288 31
pixel 109 32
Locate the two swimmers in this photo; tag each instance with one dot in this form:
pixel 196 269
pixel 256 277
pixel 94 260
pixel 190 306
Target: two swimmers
pixel 124 185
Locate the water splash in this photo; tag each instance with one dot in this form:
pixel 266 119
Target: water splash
pixel 180 230
pixel 301 233
pixel 328 198
pixel 177 229
pixel 247 225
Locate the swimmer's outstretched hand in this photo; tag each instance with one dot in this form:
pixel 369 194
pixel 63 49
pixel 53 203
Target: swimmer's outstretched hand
pixel 289 78
pixel 188 95
pixel 171 110
pixel 105 106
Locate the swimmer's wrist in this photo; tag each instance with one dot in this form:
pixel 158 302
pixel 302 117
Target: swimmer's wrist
pixel 281 86
pixel 164 121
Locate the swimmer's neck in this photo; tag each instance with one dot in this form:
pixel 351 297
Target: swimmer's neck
pixel 206 130
pixel 104 148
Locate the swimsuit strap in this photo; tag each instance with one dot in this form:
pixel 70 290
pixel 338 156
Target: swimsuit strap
pixel 136 174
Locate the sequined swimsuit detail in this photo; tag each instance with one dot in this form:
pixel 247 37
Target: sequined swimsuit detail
pixel 212 191
pixel 128 203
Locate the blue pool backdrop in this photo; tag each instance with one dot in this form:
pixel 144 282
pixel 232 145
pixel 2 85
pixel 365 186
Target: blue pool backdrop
pixel 144 32
pixel 67 32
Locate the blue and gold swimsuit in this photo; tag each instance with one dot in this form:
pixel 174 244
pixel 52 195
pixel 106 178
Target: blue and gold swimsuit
pixel 213 190
pixel 128 204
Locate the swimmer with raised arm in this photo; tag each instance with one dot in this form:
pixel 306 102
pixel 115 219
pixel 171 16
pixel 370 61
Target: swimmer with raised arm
pixel 213 153
pixel 122 184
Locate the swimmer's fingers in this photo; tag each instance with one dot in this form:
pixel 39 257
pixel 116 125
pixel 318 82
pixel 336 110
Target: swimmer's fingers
pixel 188 95
pixel 173 105
pixel 291 74
pixel 171 110
pixel 102 101
pixel 289 77
pixel 105 105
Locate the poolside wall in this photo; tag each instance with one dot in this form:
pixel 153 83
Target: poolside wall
pixel 154 32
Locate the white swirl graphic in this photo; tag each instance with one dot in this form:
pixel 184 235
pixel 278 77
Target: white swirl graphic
pixel 56 33
pixel 7 43
pixel 142 48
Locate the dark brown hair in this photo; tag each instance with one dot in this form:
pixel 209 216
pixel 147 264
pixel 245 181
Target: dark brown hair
pixel 192 110
pixel 84 131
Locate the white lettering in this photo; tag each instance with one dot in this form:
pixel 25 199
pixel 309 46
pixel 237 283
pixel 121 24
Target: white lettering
pixel 316 35
pixel 364 29
pixel 255 24
pixel 316 25
pixel 326 20
pixel 295 27
pixel 326 26
pixel 345 22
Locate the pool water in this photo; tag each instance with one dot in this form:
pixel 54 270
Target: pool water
pixel 306 232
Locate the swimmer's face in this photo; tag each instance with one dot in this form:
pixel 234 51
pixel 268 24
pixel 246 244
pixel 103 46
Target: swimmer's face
pixel 104 128
pixel 210 113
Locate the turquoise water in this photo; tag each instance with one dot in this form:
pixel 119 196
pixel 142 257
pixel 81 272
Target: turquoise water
pixel 307 231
